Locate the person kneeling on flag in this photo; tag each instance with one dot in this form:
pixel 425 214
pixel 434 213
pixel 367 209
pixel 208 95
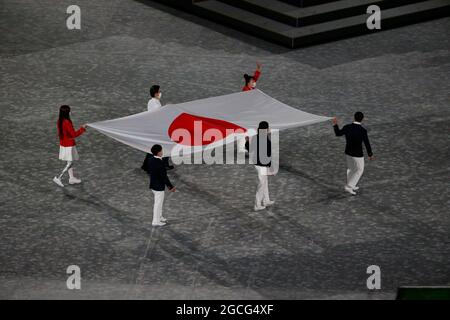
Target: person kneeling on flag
pixel 158 182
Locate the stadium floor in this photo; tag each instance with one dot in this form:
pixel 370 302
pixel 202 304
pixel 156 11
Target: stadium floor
pixel 316 242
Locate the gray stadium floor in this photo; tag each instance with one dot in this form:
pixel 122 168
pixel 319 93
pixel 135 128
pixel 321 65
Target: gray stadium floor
pixel 316 242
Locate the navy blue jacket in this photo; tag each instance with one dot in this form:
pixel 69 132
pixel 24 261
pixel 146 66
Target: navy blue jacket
pixel 355 135
pixel 255 140
pixel 158 174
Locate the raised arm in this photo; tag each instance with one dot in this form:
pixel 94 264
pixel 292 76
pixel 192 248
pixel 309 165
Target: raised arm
pixel 257 73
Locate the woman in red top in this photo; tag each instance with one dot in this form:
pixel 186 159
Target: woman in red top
pixel 250 81
pixel 250 84
pixel 67 146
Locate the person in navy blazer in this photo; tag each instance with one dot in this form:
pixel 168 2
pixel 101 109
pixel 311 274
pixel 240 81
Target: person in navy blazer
pixel 158 183
pixel 355 135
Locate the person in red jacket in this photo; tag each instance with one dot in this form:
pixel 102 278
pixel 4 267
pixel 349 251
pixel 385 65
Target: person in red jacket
pixel 250 84
pixel 67 146
pixel 250 81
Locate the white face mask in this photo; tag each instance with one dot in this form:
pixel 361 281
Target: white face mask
pixel 254 85
pixel 160 95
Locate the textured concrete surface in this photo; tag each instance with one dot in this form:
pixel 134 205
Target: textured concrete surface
pixel 316 242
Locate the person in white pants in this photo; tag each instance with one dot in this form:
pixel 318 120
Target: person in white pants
pixel 355 169
pixel 158 182
pixel 263 152
pixel 262 199
pixel 355 136
pixel 158 219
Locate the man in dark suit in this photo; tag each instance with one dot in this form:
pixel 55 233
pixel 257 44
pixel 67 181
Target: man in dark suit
pixel 355 136
pixel 158 182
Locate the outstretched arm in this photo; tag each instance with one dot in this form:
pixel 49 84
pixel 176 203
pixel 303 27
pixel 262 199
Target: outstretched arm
pixel 338 132
pixel 71 131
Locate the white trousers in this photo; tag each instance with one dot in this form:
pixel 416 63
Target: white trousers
pixel 262 191
pixel 157 207
pixel 355 169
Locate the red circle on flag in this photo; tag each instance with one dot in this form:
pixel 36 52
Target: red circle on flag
pixel 196 125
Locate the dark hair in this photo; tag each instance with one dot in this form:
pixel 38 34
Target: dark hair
pixel 156 149
pixel 263 125
pixel 247 79
pixel 64 113
pixel 154 90
pixel 359 116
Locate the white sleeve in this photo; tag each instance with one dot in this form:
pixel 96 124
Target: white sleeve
pixel 153 105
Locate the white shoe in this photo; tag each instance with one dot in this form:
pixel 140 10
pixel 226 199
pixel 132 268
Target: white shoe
pixel 58 182
pixel 355 188
pixel 268 203
pixel 259 208
pixel 163 219
pixel 350 190
pixel 158 224
pixel 74 180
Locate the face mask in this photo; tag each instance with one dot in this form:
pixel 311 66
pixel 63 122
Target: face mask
pixel 160 95
pixel 254 85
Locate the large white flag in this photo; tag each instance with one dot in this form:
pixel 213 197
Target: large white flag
pixel 240 111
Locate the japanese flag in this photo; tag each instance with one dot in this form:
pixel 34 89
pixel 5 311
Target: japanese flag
pixel 204 123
